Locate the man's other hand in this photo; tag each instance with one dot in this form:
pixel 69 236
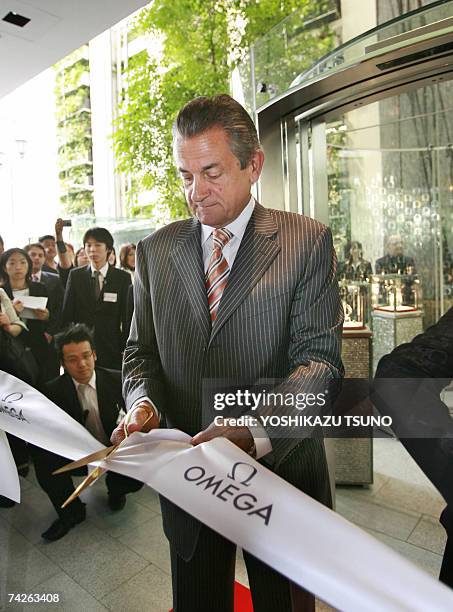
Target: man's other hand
pixel 240 436
pixel 59 229
pixel 137 420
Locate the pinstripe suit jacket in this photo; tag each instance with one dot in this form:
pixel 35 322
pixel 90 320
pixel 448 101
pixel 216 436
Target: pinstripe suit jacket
pixel 280 317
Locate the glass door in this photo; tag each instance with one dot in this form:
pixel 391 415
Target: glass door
pixel 381 176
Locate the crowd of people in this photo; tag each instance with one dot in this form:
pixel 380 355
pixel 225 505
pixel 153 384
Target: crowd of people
pixel 62 309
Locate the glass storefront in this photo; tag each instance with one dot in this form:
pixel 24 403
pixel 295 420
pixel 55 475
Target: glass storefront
pixel 390 189
pixel 365 145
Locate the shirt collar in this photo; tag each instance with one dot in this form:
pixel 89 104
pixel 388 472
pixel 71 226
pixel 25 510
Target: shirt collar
pixel 91 382
pixel 38 275
pixel 103 270
pixel 236 227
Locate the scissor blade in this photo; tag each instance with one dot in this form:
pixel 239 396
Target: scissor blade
pixel 89 480
pixel 102 454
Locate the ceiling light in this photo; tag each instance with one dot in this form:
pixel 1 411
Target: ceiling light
pixel 16 19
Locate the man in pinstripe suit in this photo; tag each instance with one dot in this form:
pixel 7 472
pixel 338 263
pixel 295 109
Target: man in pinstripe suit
pixel 267 307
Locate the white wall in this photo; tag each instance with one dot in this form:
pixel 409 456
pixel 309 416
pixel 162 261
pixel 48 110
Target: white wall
pixel 106 202
pixel 29 188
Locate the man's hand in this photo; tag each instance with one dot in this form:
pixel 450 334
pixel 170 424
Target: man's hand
pixel 240 436
pixel 59 229
pixel 137 420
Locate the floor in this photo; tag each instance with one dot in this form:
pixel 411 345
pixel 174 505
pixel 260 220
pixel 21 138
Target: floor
pixel 120 561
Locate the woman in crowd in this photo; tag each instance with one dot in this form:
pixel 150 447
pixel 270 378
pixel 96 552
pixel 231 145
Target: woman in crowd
pixel 15 277
pixel 15 360
pixel 70 251
pixel 81 258
pixel 354 266
pixel 112 257
pixel 11 326
pixel 127 258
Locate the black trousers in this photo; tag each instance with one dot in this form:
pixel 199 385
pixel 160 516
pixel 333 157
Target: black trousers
pixel 60 486
pixel 206 582
pixel 446 570
pixel 19 450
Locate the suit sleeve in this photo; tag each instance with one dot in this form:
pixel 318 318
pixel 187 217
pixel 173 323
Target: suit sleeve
pixel 429 355
pixel 314 352
pixel 68 314
pixel 142 368
pixel 56 297
pixel 125 321
pixel 407 387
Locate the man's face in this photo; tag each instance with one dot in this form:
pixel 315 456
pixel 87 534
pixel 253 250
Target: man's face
pixel 216 188
pixel 97 252
pixel 49 246
pixel 79 360
pixel 395 246
pixel 37 257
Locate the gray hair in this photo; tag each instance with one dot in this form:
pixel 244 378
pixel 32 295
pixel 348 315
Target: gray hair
pixel 204 113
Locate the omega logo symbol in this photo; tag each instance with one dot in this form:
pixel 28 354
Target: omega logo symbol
pixel 243 473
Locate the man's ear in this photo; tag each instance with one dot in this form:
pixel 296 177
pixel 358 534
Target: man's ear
pixel 256 165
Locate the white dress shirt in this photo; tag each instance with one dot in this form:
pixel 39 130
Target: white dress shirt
pixel 236 227
pixel 89 401
pixel 102 273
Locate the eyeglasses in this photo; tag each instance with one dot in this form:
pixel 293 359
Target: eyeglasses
pixel 76 360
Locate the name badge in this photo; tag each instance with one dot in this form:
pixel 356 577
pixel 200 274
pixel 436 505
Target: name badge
pixel 110 297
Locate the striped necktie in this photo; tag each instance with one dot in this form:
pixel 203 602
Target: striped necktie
pixel 218 270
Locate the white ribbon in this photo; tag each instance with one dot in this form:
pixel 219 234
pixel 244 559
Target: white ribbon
pixel 238 497
pixel 9 483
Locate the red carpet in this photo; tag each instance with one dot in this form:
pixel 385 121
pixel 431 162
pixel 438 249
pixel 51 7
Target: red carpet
pixel 242 599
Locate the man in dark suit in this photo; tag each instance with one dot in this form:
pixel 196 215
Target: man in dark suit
pixel 408 386
pixel 50 248
pixel 92 396
pixel 51 281
pixel 97 296
pixel 237 292
pixel 394 261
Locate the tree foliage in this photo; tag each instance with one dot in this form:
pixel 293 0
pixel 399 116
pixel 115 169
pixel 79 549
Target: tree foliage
pixel 201 42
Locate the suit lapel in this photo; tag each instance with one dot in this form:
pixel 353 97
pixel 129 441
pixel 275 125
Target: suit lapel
pixel 108 285
pixel 257 251
pixel 187 258
pixel 87 289
pixel 73 402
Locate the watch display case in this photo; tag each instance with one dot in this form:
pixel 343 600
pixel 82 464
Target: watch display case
pixel 354 298
pixel 396 293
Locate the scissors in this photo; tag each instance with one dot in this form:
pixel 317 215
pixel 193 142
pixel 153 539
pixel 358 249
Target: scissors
pixel 98 456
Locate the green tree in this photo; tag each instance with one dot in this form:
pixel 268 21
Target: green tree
pixel 201 42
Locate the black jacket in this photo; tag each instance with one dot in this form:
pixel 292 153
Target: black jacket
pixel 407 386
pixel 63 393
pixel 55 291
pixel 108 318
